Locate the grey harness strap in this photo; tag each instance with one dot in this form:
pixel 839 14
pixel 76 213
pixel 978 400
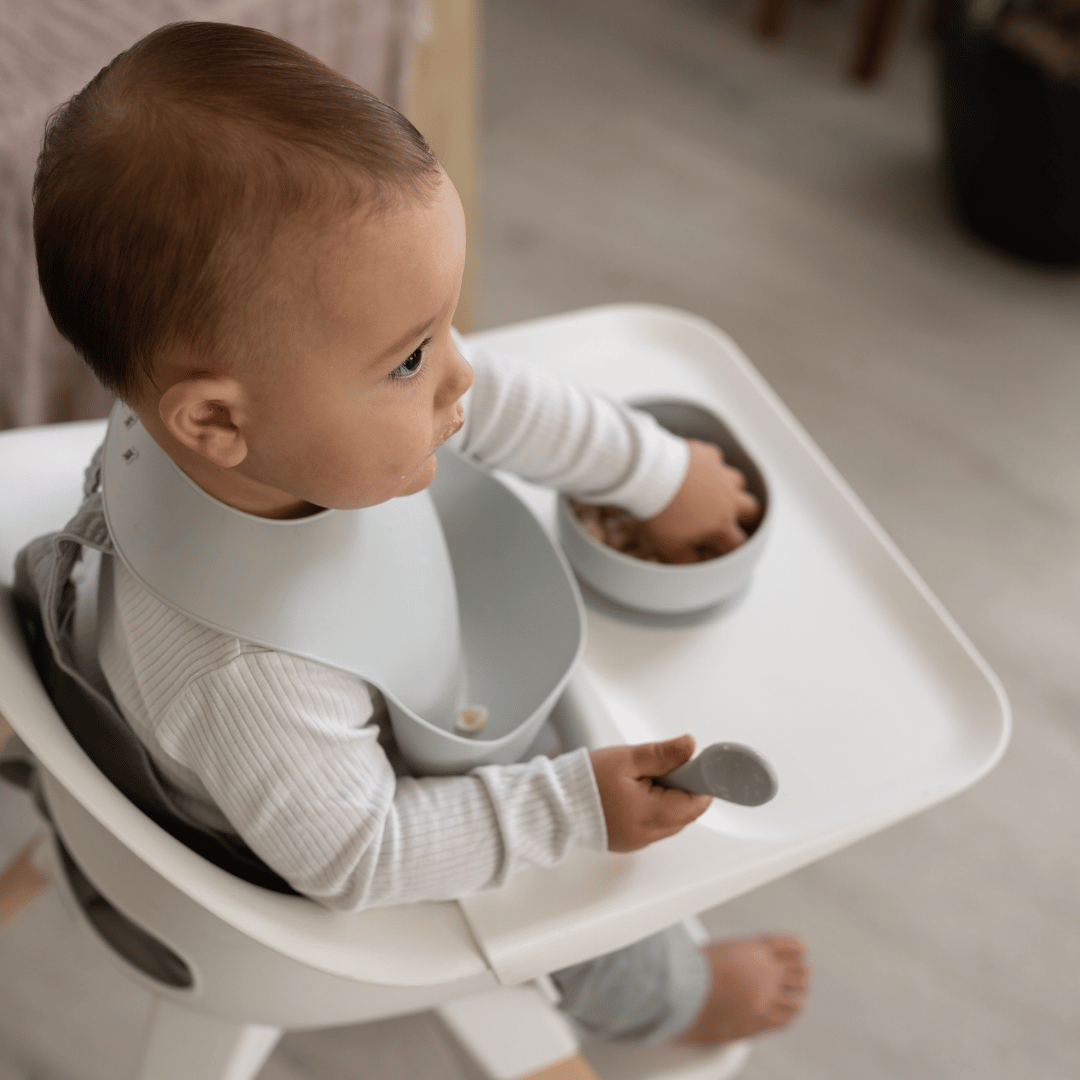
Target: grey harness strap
pixel 45 601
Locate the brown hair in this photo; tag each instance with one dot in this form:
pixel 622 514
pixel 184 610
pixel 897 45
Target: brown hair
pixel 162 182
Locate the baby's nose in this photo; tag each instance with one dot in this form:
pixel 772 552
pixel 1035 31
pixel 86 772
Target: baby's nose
pixel 461 375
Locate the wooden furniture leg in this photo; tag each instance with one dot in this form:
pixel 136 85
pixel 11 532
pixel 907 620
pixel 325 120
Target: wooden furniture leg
pixel 20 884
pixel 937 17
pixel 772 18
pixel 444 105
pixel 575 1068
pixel 877 27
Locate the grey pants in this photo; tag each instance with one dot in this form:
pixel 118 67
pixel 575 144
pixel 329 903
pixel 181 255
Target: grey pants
pixel 647 993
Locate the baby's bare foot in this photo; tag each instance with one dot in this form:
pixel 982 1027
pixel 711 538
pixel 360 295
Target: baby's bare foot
pixel 758 985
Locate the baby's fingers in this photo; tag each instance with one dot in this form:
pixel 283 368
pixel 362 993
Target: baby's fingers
pixel 747 506
pixel 672 810
pixel 657 758
pixel 729 538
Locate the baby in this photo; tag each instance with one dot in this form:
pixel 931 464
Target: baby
pixel 263 261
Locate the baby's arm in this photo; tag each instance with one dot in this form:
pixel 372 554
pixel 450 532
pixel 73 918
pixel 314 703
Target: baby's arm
pixel 554 433
pixel 286 750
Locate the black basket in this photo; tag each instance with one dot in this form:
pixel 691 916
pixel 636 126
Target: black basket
pixel 1012 145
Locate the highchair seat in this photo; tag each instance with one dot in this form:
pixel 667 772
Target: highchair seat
pixel 839 665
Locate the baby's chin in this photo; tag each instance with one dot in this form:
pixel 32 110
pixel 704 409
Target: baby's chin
pixel 368 496
pixel 422 477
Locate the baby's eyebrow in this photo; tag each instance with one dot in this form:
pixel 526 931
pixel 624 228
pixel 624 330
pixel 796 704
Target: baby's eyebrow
pixel 407 339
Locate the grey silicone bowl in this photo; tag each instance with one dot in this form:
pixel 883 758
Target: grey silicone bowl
pixel 658 588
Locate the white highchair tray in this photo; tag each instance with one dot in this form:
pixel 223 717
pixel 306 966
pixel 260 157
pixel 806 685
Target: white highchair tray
pixel 839 666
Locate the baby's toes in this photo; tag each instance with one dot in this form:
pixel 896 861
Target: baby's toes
pixel 795 977
pixel 782 1013
pixel 785 946
pixel 789 954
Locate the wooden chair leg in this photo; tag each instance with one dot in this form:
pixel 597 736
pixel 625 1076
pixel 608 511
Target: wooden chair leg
pixel 937 17
pixel 575 1068
pixel 772 18
pixel 877 27
pixel 20 885
pixel 445 107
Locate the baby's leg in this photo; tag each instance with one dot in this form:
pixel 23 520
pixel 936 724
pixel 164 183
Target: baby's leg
pixel 650 992
pixel 666 988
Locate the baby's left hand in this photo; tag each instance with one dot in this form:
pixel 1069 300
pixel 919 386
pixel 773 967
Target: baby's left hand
pixel 709 508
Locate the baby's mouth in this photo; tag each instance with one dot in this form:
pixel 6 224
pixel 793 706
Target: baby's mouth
pixel 452 428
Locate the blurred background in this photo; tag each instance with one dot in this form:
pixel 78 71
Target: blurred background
pixel 780 167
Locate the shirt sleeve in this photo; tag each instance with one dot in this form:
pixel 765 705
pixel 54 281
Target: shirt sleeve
pixel 521 419
pixel 286 749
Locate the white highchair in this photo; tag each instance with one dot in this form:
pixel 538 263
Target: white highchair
pixel 839 665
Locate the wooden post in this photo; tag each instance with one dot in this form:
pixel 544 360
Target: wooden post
pixel 444 105
pixel 772 17
pixel 575 1068
pixel 20 884
pixel 877 27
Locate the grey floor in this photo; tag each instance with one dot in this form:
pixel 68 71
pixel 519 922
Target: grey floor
pixel 654 150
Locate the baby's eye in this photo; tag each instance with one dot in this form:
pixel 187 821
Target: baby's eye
pixel 411 366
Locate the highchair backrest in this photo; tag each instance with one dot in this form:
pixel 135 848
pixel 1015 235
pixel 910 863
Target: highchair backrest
pixel 46 601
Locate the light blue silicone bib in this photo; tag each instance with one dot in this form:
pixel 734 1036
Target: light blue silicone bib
pixel 449 597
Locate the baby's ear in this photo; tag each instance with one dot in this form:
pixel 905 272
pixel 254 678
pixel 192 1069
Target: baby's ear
pixel 203 414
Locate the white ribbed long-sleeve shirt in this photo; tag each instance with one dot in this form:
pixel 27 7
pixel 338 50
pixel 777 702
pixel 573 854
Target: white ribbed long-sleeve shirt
pixel 295 756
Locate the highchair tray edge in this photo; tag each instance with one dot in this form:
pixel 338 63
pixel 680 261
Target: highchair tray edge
pixel 839 665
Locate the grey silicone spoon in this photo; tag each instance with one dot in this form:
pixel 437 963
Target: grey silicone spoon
pixel 728 771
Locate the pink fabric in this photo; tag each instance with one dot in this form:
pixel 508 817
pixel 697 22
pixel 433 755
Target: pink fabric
pixel 51 48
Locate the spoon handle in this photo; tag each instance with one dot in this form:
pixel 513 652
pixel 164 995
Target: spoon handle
pixel 727 771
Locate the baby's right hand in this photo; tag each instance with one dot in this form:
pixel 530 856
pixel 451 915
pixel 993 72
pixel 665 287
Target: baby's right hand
pixel 636 810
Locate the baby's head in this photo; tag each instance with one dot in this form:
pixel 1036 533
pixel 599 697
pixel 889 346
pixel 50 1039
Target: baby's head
pixel 263 260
